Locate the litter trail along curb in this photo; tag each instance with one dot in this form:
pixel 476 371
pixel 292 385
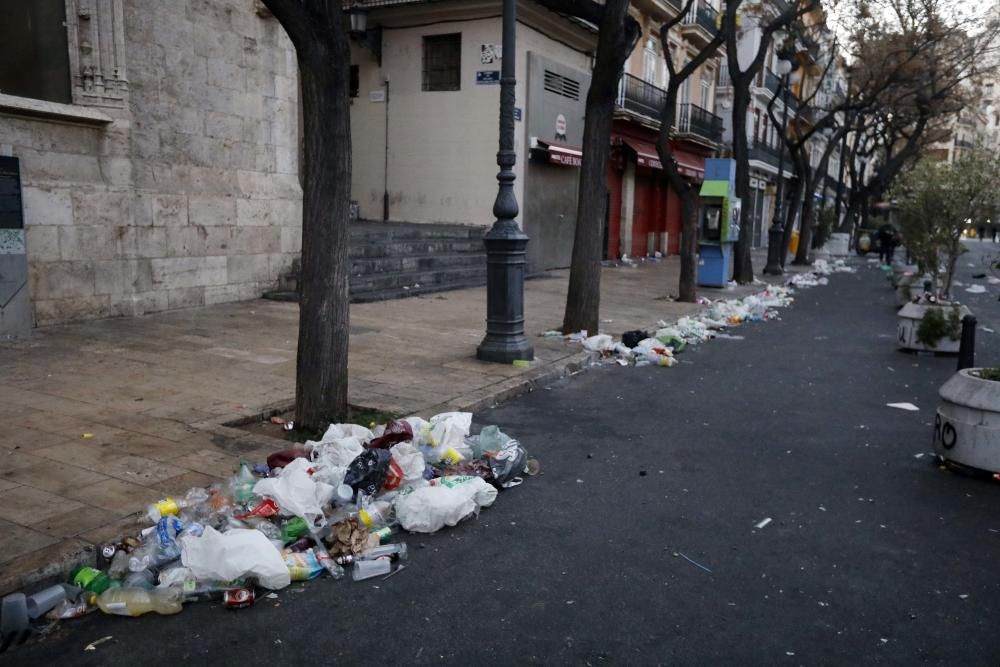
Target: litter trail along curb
pixel 58 560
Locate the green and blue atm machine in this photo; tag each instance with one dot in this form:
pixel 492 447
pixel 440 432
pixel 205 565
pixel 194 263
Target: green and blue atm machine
pixel 720 223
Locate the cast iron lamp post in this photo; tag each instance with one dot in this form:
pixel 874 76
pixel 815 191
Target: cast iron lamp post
pixel 505 242
pixel 776 234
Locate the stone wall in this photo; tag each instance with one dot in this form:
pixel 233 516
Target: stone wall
pixel 189 195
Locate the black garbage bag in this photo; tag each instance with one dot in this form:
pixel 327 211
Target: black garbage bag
pixel 367 472
pixel 631 339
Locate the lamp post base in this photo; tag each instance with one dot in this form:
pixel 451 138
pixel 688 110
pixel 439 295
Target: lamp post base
pixel 505 257
pixel 775 238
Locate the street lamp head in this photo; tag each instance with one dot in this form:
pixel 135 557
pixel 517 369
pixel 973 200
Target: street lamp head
pixel 783 67
pixel 359 19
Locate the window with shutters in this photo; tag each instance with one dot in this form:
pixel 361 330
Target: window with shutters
pixel 443 62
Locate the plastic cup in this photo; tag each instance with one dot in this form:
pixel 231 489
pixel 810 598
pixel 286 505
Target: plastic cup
pixel 13 614
pixel 42 601
pixel 366 569
pixel 345 493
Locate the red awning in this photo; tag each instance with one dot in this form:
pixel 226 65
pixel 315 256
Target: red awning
pixel 561 153
pixel 645 153
pixel 689 164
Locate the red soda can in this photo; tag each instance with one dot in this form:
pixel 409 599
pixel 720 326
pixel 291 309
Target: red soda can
pixel 238 598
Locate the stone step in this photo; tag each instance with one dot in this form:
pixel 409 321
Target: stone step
pixel 399 263
pixel 390 248
pixel 389 231
pixel 415 280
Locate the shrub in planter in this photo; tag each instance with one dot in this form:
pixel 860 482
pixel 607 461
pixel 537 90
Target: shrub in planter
pixel 987 374
pixel 935 325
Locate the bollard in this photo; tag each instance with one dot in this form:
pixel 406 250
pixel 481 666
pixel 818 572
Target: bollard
pixel 967 348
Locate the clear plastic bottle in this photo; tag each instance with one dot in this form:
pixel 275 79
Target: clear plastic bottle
pixel 119 565
pixel 242 484
pixel 136 601
pixel 395 551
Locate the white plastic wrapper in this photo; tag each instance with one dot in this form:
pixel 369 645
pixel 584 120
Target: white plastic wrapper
pixel 296 492
pixel 216 556
pixel 430 508
pixel 474 488
pixel 341 431
pixel 409 460
pixel 599 343
pixel 448 429
pixel 339 452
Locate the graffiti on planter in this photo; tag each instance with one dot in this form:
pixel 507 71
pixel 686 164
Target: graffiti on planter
pixel 944 433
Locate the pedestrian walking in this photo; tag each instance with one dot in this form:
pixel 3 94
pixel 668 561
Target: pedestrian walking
pixel 887 238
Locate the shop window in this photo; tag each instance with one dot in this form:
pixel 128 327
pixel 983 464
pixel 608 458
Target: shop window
pixel 443 62
pixel 34 50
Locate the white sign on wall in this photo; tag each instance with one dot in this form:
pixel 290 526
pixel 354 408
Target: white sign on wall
pixel 490 53
pixel 376 96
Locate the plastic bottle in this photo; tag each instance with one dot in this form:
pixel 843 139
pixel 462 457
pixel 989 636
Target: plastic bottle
pixel 327 561
pixel 385 533
pixel 377 514
pixel 171 507
pixel 294 529
pixel 119 565
pixel 136 601
pixel 242 484
pixel 396 551
pixel 142 579
pixel 90 579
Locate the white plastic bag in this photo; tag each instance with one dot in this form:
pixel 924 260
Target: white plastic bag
pixel 428 509
pixel 340 431
pixel 296 492
pixel 409 460
pixel 599 343
pixel 418 425
pixel 239 552
pixel 474 488
pixel 448 429
pixel 338 452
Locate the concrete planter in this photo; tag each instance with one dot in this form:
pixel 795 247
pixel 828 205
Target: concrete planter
pixel 967 425
pixel 910 316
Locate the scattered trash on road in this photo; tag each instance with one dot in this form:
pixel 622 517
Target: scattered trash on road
pixel 335 503
pixel 763 523
pixel 92 646
pixel 693 562
pixel 975 289
pixel 903 406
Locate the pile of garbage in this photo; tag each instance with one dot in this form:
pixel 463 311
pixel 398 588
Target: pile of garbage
pixel 661 347
pixel 818 276
pixel 330 505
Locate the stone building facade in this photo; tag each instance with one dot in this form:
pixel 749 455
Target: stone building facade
pixel 164 173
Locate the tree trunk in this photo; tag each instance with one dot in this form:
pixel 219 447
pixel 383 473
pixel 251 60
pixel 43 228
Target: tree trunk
pixel 324 317
pixel 583 299
pixel 687 286
pixel 742 262
pixel 805 229
pixel 792 211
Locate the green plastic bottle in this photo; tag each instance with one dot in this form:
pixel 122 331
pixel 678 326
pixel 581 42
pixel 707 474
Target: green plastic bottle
pixel 90 579
pixel 293 530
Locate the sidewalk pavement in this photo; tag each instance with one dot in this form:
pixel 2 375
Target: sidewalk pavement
pixel 102 418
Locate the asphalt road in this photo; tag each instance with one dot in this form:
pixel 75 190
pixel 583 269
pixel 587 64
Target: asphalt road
pixel 872 556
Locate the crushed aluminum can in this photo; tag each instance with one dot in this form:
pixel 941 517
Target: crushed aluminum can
pixel 108 551
pixel 238 598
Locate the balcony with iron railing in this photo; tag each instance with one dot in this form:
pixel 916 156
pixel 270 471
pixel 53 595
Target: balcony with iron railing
pixel 768 154
pixel 699 23
pixel 694 120
pixel 771 81
pixel 964 143
pixel 644 99
pixel 640 97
